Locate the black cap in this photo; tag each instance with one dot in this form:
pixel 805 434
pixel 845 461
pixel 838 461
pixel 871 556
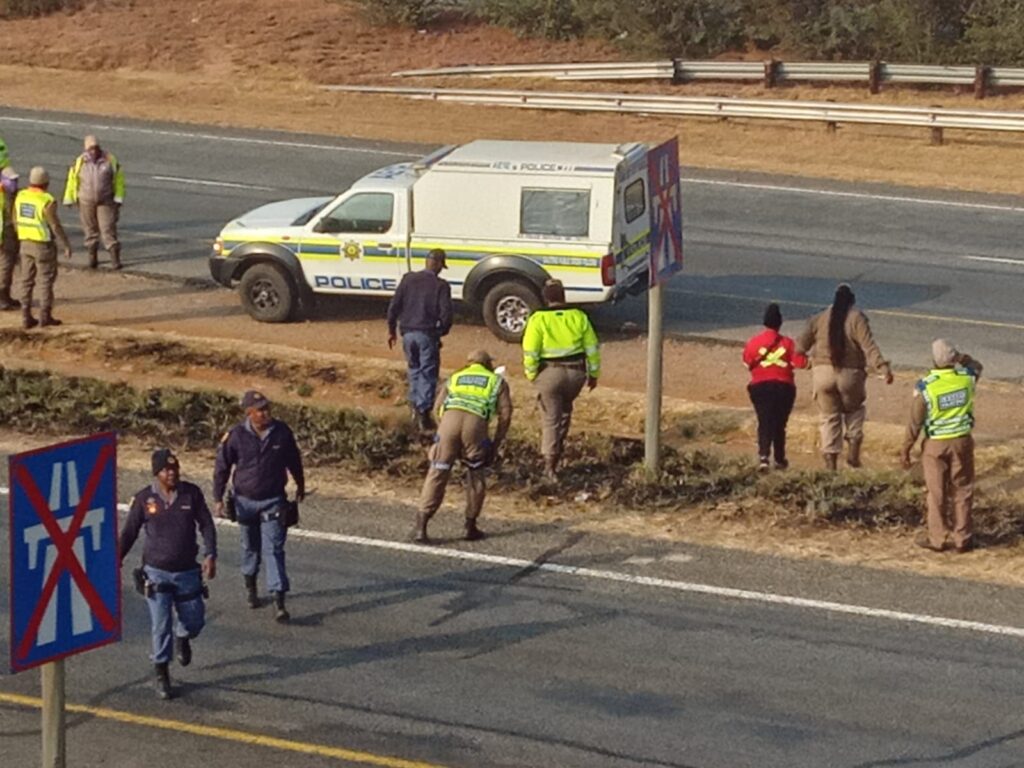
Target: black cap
pixel 254 399
pixel 162 459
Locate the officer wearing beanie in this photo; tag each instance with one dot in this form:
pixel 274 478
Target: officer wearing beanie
pixel 260 452
pixel 171 510
pixel 943 407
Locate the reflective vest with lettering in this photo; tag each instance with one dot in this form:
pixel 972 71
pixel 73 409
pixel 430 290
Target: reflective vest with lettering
pixel 474 389
pixel 29 217
pixel 949 395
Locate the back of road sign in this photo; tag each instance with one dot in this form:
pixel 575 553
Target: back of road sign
pixel 65 571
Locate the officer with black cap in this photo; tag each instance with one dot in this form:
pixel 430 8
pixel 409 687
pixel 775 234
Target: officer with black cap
pixel 171 510
pixel 261 451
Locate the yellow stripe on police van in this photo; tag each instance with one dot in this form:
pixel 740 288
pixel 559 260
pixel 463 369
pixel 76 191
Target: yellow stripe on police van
pixel 226 734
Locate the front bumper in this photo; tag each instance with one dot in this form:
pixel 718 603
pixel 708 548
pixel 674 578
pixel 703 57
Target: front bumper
pixel 223 270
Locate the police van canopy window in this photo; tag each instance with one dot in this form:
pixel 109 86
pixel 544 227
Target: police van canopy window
pixel 363 212
pixel 560 212
pixel 634 200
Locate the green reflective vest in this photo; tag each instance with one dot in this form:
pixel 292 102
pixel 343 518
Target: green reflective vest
pixel 29 217
pixel 474 389
pixel 949 395
pixel 561 332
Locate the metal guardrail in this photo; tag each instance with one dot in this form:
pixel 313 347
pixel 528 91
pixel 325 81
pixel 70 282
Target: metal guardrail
pixel 772 72
pixel 935 119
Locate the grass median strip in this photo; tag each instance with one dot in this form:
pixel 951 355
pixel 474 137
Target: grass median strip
pixel 226 734
pixel 602 470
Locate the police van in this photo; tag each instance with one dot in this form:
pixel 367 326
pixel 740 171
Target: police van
pixel 509 215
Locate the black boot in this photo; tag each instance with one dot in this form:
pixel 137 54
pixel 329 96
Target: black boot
pixel 419 530
pixel 27 321
pixel 281 614
pixel 46 319
pixel 472 532
pixel 94 256
pixel 183 650
pixel 251 597
pixel 163 681
pixel 115 257
pixel 7 303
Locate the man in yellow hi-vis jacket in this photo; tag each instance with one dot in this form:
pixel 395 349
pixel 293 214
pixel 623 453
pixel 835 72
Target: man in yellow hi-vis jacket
pixel 37 224
pixel 96 185
pixel 560 354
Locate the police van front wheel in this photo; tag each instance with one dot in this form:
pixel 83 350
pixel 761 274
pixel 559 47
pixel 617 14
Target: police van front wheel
pixel 267 294
pixel 506 307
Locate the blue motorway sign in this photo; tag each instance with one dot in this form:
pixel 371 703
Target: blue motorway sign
pixel 666 212
pixel 65 570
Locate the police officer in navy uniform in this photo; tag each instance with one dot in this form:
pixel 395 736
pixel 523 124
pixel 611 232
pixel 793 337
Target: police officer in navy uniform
pixel 261 451
pixel 171 510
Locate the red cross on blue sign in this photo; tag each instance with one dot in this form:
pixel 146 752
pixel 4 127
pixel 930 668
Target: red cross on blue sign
pixel 65 569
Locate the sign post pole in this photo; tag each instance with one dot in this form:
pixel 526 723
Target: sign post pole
pixel 53 714
pixel 666 258
pixel 655 350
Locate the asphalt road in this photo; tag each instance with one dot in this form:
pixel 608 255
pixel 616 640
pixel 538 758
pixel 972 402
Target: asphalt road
pixel 926 263
pixel 414 655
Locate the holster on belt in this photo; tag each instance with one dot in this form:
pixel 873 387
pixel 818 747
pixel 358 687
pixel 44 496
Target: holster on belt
pixel 141 582
pixel 229 506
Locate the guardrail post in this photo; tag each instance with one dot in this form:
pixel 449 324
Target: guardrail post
pixel 981 74
pixel 875 76
pixel 771 73
pixel 936 136
pixel 677 72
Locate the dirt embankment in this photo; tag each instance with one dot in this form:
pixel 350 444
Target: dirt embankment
pixel 258 63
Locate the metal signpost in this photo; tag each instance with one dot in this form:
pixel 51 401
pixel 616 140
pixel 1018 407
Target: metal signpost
pixel 65 571
pixel 665 211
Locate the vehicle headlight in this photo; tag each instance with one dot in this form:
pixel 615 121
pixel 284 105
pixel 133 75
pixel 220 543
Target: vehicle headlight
pixel 218 246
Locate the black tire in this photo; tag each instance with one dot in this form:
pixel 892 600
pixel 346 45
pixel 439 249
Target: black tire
pixel 506 307
pixel 268 294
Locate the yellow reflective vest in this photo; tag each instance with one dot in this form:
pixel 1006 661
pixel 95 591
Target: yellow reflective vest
pixel 74 178
pixel 474 389
pixel 949 395
pixel 29 215
pixel 559 332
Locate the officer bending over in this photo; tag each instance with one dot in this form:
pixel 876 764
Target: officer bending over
pixel 466 404
pixel 171 511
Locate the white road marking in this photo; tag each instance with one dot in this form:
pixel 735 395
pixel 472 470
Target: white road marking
pixel 767 598
pixel 678 557
pixel 207 183
pixel 638 560
pixel 210 137
pixel 996 260
pixel 856 195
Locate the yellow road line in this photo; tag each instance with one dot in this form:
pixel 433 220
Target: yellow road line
pixel 884 312
pixel 226 734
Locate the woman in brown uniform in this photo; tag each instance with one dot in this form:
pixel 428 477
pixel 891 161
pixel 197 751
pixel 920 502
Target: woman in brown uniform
pixel 841 348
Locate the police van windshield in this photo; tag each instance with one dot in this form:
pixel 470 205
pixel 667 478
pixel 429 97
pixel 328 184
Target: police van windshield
pixel 308 215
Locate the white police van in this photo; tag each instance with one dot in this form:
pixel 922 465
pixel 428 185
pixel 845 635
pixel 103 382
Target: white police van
pixel 509 215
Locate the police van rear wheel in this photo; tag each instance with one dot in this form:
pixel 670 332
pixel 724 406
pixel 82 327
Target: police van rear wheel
pixel 506 307
pixel 267 294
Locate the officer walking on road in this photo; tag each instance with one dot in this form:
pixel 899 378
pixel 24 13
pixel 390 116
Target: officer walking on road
pixel 422 310
pixel 943 406
pixel 560 354
pixel 262 453
pixel 466 404
pixel 96 185
pixel 8 237
pixel 35 216
pixel 171 510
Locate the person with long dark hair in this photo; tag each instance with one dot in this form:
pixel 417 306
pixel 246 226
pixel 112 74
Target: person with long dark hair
pixel 842 348
pixel 771 357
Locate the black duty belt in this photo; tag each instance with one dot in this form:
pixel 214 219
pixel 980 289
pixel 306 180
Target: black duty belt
pixel 573 361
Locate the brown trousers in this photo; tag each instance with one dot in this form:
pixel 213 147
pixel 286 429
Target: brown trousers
pixel 99 221
pixel 460 436
pixel 840 396
pixel 38 258
pixel 557 387
pixel 8 259
pixel 949 476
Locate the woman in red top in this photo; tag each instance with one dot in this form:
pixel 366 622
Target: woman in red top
pixel 771 357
